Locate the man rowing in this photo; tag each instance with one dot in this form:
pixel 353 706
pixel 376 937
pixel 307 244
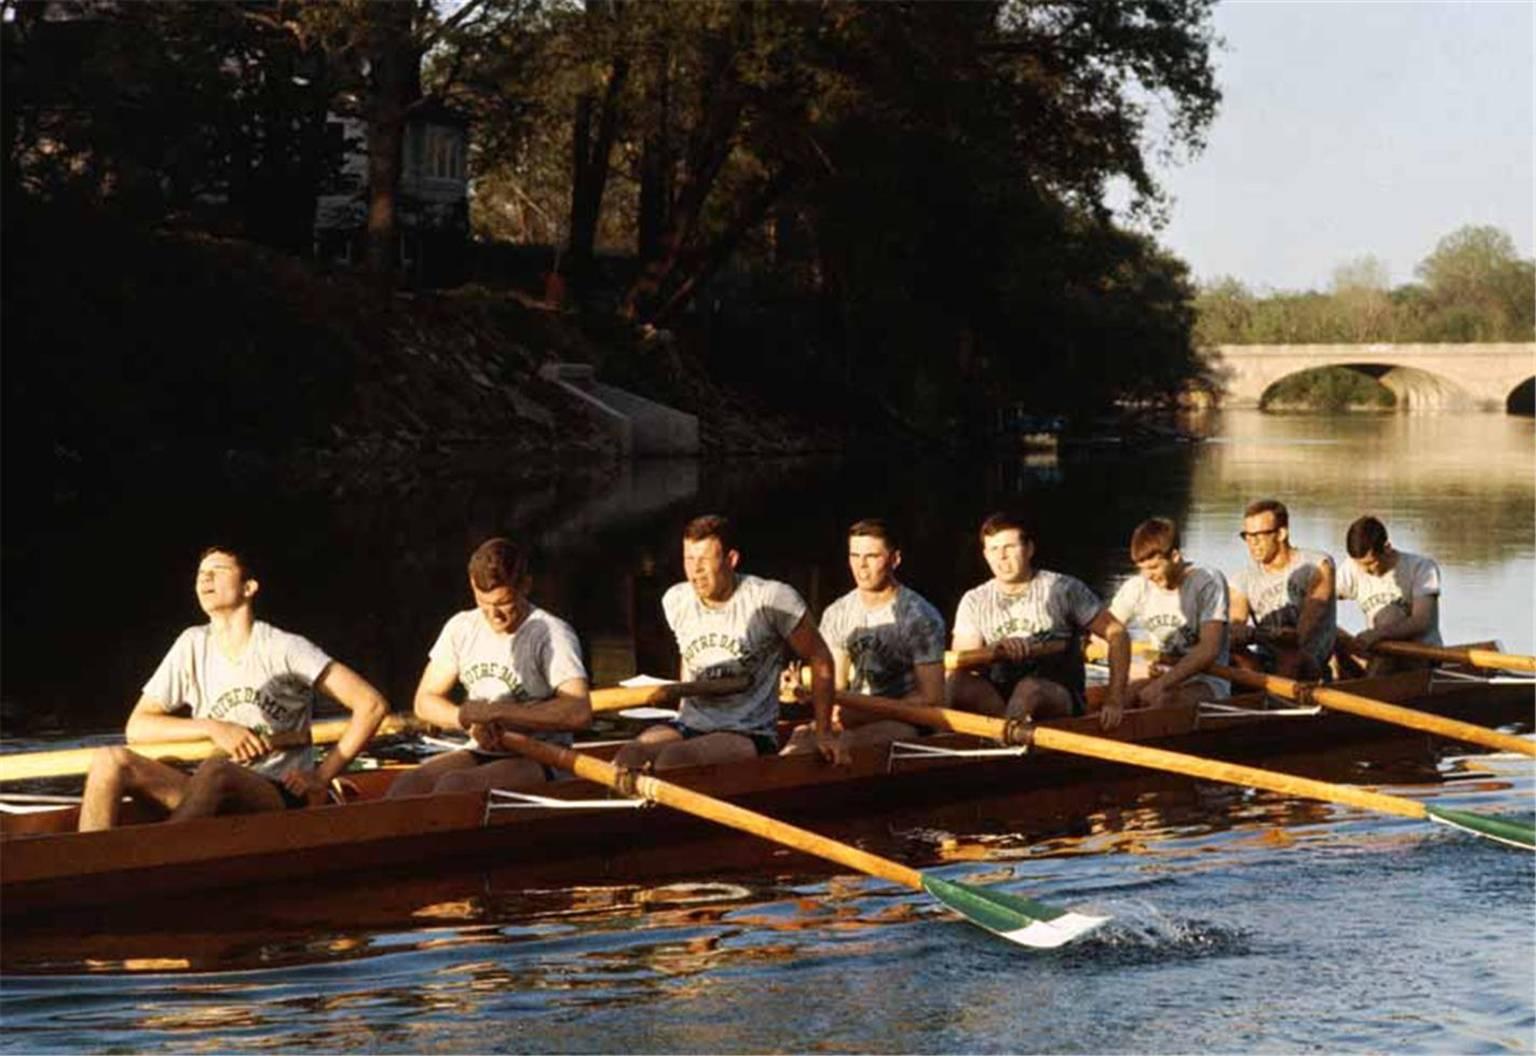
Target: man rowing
pixel 1398 593
pixel 518 667
pixel 730 625
pixel 1283 609
pixel 886 641
pixel 1184 608
pixel 1034 620
pixel 250 690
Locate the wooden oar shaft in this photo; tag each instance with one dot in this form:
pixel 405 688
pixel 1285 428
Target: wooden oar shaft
pixel 1488 658
pixel 617 698
pixel 1339 700
pixel 19 766
pixel 689 802
pixel 1141 755
pixel 962 659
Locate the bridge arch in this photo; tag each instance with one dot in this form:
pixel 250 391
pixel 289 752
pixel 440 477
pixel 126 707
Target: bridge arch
pixel 1423 377
pixel 1412 389
pixel 1522 398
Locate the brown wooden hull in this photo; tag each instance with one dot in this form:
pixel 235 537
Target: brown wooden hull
pixel 44 867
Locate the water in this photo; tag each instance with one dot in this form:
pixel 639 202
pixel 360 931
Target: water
pixel 1243 921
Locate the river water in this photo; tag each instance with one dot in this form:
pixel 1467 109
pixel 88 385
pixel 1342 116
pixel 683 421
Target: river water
pixel 1243 922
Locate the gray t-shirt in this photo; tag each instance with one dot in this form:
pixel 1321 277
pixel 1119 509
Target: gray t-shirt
pixel 269 687
pixel 526 665
pixel 885 643
pixel 744 636
pixel 1050 607
pixel 1173 617
pixel 1276 598
pixel 1388 598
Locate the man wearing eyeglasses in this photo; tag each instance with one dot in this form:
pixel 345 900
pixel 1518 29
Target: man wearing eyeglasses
pixel 1284 613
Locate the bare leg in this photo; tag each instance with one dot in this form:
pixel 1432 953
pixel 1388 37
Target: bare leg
pixel 1293 663
pixel 974 694
pixel 425 777
pixel 646 747
pixel 116 772
pixel 513 775
pixel 710 748
pixel 1039 698
pixel 880 731
pixel 222 787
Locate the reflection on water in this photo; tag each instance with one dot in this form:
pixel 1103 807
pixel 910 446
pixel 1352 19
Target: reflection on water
pixel 1224 902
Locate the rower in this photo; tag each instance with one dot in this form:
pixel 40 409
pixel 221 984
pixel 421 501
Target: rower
pixel 886 641
pixel 1026 615
pixel 250 689
pixel 1184 608
pixel 1398 593
pixel 518 667
pixel 1283 609
pixel 732 625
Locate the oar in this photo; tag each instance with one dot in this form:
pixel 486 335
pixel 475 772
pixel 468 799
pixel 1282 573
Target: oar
pixel 1308 693
pixel 1021 920
pixel 1014 731
pixel 16 766
pixel 1488 658
pixel 617 698
pixel 961 659
pixel 19 766
pixel 1339 700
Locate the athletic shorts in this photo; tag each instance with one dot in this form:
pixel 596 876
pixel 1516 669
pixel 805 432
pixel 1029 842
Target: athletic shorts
pixel 1005 690
pixel 765 743
pixel 290 801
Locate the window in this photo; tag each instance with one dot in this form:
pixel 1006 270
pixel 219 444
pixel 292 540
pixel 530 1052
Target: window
pixel 444 154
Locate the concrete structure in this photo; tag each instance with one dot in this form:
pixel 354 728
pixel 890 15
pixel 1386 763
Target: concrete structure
pixel 641 426
pixel 1422 377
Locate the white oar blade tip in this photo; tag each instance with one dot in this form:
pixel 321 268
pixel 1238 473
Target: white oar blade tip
pixel 1058 931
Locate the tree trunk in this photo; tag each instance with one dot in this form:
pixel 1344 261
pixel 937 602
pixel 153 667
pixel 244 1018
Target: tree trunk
pixel 394 83
pixel 656 159
pixel 590 162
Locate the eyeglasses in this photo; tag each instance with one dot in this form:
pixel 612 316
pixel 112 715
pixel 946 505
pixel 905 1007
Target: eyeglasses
pixel 1245 536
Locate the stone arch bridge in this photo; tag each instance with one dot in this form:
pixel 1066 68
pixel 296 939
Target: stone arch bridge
pixel 1422 377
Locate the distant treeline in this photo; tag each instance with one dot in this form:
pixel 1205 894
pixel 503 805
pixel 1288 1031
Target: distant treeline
pixel 1473 287
pixel 884 208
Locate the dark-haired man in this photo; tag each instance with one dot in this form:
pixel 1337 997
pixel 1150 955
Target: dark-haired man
pixel 1288 595
pixel 1035 619
pixel 729 625
pixel 250 690
pixel 1185 610
pixel 1398 593
pixel 518 666
pixel 886 641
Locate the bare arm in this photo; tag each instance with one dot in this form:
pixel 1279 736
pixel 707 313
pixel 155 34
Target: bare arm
pixel 1420 619
pixel 1202 656
pixel 1105 626
pixel 1315 606
pixel 1240 612
pixel 151 720
pixel 368 707
pixel 569 708
pixel 929 691
pixel 809 646
pixel 432 703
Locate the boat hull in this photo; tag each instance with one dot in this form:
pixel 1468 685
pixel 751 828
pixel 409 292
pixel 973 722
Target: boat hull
pixel 45 867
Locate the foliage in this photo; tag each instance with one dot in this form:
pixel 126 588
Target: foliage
pixel 1328 389
pixel 1475 288
pixel 901 206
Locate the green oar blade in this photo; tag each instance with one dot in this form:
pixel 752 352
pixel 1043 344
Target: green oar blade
pixel 1017 919
pixel 1505 830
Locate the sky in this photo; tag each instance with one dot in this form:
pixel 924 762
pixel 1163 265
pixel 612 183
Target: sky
pixel 1351 128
